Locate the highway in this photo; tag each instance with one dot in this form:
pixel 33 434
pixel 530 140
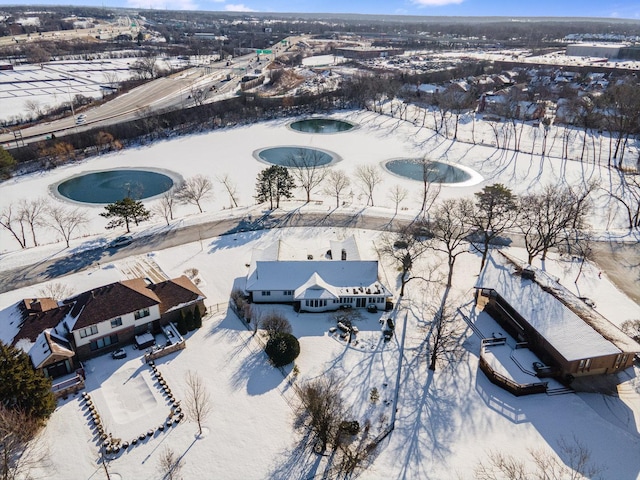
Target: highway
pixel 167 93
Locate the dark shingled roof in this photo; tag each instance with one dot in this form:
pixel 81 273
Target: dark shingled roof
pixel 178 291
pixel 110 301
pixel 37 305
pixel 35 323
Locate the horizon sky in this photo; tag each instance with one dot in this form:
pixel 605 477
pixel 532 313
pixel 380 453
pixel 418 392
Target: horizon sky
pixel 626 9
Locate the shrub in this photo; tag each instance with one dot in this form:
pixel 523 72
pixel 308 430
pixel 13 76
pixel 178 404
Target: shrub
pixel 350 427
pixel 282 349
pixel 197 318
pixel 182 324
pixel 275 323
pixel 190 321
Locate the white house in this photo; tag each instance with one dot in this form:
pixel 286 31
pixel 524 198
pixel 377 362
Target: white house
pixel 316 285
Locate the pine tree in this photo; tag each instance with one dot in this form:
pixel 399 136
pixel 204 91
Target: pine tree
pixel 182 324
pixel 21 387
pixel 274 183
pixel 190 321
pixel 197 317
pixel 125 211
pixel 7 163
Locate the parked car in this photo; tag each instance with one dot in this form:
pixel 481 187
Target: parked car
pixel 372 308
pixel 118 354
pixel 122 241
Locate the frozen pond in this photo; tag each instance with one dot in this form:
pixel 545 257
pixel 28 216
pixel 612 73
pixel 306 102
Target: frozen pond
pixel 109 186
pixel 296 156
pixel 432 171
pixel 321 125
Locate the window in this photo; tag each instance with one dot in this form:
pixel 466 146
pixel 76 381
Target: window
pixel 116 322
pixel 92 330
pixel 581 365
pixel 103 342
pixel 288 292
pixel 141 313
pixel 266 293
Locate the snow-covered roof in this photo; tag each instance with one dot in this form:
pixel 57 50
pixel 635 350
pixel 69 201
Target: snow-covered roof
pixel 348 277
pixel 562 328
pixel 350 247
pixel 48 344
pixel 316 288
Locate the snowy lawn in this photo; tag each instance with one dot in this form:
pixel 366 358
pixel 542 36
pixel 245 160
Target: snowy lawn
pixel 447 420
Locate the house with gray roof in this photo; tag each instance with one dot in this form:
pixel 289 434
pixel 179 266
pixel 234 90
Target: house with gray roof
pixel 569 336
pixel 313 285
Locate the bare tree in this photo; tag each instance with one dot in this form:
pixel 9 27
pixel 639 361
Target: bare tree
pixel 145 68
pixel 632 329
pixel 194 190
pixel 55 290
pixel 231 188
pixel 13 222
pixel 274 323
pixel 398 194
pixel 368 177
pixel 198 95
pixel 577 464
pixel 450 228
pixel 169 464
pixel 545 218
pixel 32 212
pixel 66 220
pixel 405 247
pixel 164 206
pixel 197 401
pixel 306 168
pixel 628 194
pixel 335 184
pixel 431 185
pixel 33 106
pixel 321 410
pixel 444 335
pixel 579 243
pixel 17 455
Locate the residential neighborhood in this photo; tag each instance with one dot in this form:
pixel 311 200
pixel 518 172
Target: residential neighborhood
pixel 254 245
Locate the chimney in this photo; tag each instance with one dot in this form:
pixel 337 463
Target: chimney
pixel 35 305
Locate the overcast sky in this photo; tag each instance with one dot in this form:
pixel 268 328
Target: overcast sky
pixel 565 8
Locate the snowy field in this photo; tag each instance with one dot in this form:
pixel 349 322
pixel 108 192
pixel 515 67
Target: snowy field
pixel 447 421
pixel 51 84
pixel 378 138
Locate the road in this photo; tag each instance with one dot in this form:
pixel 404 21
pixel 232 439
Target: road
pixel 167 93
pixel 620 262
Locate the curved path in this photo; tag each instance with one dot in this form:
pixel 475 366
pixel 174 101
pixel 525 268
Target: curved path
pixel 619 261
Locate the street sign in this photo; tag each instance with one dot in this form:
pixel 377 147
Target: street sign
pixel 266 52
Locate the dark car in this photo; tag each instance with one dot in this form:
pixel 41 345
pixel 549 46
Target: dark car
pixel 122 241
pixel 118 354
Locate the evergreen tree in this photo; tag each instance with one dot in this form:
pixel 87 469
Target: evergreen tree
pixel 182 324
pixel 190 321
pixel 125 211
pixel 274 183
pixel 21 387
pixel 7 163
pixel 197 318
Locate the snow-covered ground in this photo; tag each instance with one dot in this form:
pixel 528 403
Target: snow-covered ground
pixel 31 88
pixel 377 139
pixel 447 421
